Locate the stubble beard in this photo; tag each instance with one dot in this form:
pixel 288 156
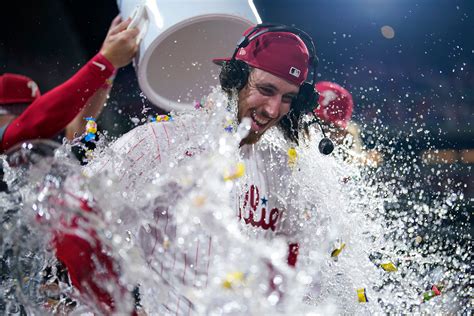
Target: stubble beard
pixel 251 138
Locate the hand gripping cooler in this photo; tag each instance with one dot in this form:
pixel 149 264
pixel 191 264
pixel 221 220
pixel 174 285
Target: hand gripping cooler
pixel 179 38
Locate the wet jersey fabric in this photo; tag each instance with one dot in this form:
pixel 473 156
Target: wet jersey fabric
pixel 265 192
pixel 52 112
pixel 268 199
pixel 261 199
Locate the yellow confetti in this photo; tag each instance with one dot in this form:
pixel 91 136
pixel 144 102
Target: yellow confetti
pixel 292 156
pixel 389 266
pixel 337 251
pixel 91 130
pixel 362 296
pixel 91 126
pixel 162 118
pixel 233 279
pixel 235 173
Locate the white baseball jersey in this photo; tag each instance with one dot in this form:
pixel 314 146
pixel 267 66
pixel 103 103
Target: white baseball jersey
pixel 262 198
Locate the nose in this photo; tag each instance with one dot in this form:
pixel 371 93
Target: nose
pixel 272 107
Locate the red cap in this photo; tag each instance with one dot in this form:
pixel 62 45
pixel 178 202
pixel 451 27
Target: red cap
pixel 335 104
pixel 282 54
pixel 17 89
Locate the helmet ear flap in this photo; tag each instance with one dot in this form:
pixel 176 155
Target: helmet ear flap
pixel 234 75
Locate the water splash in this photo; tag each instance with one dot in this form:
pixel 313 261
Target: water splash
pixel 166 217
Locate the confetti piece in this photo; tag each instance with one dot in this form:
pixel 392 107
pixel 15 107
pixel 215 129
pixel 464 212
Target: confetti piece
pixel 389 266
pixel 235 173
pixel 233 279
pixel 91 125
pixel 229 126
pixel 164 118
pixel 435 291
pixel 362 296
pixel 292 156
pixel 338 249
pixel 91 129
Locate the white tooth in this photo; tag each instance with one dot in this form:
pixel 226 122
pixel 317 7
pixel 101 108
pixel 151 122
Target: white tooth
pixel 256 119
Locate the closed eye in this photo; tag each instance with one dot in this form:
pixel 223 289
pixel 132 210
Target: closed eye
pixel 266 91
pixel 270 90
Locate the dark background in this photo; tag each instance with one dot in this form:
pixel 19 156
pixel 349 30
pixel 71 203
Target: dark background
pixel 412 92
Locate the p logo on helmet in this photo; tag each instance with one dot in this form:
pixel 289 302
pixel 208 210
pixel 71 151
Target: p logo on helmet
pixel 17 89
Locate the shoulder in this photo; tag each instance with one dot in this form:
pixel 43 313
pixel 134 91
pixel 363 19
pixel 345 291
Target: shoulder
pixel 145 134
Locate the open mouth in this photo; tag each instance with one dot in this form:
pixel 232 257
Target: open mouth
pixel 258 122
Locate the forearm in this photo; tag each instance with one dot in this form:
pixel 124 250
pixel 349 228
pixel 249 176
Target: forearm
pixel 52 112
pixel 93 109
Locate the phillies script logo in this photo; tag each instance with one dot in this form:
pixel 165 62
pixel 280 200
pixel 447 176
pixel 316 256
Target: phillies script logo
pixel 251 205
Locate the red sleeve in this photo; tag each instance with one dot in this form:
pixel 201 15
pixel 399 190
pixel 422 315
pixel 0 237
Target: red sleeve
pixel 90 268
pixel 52 112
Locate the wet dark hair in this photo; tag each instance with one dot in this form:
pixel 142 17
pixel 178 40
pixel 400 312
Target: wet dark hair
pixel 290 124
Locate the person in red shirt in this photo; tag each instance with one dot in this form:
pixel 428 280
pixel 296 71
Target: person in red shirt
pixel 335 112
pixel 335 105
pixel 26 114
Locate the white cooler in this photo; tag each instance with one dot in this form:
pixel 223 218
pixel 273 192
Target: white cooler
pixel 179 40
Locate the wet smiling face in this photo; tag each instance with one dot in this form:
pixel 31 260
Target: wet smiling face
pixel 265 100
